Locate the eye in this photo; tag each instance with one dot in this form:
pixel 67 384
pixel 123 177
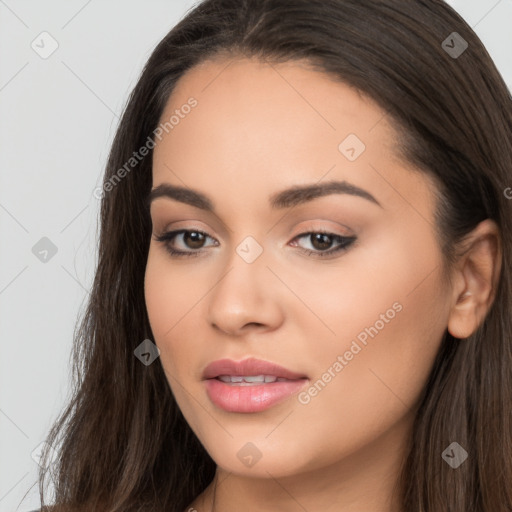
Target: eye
pixel 322 242
pixel 193 239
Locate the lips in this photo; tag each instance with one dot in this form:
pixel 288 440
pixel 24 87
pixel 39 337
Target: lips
pixel 250 367
pixel 251 385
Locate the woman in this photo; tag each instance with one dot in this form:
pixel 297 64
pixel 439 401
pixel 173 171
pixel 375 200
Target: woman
pixel 302 299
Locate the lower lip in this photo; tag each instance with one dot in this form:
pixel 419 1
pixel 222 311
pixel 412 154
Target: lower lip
pixel 254 398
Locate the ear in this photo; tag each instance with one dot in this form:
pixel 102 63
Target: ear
pixel 476 278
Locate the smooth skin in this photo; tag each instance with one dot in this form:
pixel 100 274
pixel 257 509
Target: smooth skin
pixel 259 128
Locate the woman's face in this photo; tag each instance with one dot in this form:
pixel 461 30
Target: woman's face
pixel 361 324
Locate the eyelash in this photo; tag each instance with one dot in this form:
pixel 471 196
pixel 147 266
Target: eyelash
pixel 166 238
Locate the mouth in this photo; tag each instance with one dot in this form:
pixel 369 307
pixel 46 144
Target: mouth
pixel 251 385
pixel 251 380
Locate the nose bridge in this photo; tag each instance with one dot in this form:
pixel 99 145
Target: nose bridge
pixel 244 294
pixel 245 271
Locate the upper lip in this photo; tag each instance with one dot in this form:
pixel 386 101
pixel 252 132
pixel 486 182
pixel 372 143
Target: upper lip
pixel 249 366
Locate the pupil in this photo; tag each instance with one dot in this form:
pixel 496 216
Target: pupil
pixel 196 238
pixel 323 239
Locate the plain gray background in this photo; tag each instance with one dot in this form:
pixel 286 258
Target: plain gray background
pixel 58 117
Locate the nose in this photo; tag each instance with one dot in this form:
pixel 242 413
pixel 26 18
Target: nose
pixel 247 296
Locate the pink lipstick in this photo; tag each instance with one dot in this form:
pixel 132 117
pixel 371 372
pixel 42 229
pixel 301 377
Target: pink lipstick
pixel 250 385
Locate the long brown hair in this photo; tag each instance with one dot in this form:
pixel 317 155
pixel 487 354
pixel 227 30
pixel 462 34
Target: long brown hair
pixel 123 444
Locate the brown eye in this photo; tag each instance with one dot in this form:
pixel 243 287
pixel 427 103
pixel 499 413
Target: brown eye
pixel 321 241
pixel 193 239
pixel 191 242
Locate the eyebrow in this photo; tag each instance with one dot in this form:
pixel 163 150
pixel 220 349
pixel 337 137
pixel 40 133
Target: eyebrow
pixel 288 198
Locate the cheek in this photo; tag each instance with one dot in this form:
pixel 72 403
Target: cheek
pixel 370 380
pixel 388 316
pixel 156 295
pixel 169 298
pixel 172 301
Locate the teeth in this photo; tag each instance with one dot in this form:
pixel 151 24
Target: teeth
pixel 250 379
pixel 254 378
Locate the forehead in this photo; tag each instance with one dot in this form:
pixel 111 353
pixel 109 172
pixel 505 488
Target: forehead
pixel 243 97
pixel 258 124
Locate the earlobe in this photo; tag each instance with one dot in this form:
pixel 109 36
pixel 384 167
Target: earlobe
pixel 478 273
pixel 463 320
